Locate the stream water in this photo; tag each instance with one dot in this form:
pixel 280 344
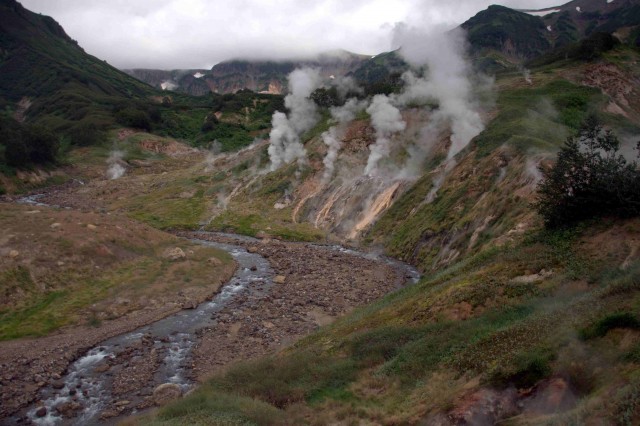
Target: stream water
pixel 173 338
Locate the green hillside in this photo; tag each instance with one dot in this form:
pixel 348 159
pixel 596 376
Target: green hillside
pixel 511 324
pixel 508 31
pixel 65 85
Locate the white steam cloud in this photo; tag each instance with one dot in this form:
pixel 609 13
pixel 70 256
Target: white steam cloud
pixel 386 120
pixel 333 137
pixel 168 85
pixel 448 81
pixel 115 165
pixel 346 86
pixel 285 145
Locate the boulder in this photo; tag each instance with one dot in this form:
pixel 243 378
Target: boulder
pixel 107 414
pixel 252 249
pixel 41 412
pixel 166 393
pixel 279 279
pixel 68 409
pixel 57 384
pixel 55 225
pixel 91 227
pixel 14 253
pixel 175 253
pixel 214 261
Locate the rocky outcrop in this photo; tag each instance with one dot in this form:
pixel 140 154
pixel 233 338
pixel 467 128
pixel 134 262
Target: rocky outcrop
pixel 165 393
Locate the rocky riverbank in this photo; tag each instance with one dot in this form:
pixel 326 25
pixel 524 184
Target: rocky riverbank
pixel 313 286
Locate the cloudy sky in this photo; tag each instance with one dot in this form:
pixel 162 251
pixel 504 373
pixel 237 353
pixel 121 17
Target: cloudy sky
pixel 169 34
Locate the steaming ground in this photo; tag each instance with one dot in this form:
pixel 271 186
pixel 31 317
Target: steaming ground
pixel 441 87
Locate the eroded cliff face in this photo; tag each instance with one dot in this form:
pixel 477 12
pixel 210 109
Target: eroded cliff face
pixel 258 76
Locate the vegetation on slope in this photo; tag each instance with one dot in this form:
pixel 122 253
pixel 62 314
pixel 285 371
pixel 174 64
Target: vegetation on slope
pixel 507 317
pixel 508 31
pixel 589 179
pixel 49 81
pixel 82 268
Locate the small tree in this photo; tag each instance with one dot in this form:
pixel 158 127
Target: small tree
pixel 589 179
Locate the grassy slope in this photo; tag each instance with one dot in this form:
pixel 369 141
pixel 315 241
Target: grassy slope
pixel 510 309
pixel 470 326
pixel 41 62
pixel 91 267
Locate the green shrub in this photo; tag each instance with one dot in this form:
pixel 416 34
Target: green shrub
pixel 528 368
pixel 610 322
pixel 25 145
pixel 590 179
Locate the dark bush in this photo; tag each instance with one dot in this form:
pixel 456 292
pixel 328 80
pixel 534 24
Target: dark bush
pixel 593 46
pixel 527 369
pixel 325 98
pixel 87 134
pixel 590 179
pixel 26 145
pixel 610 322
pixel 131 117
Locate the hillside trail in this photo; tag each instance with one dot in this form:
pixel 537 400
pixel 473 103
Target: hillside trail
pixel 280 292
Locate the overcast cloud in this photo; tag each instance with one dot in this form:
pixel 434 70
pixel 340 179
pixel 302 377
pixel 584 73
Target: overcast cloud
pixel 170 34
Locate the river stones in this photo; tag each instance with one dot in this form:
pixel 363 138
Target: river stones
pixel 166 393
pixel 175 253
pixel 252 249
pixel 41 412
pixel 279 279
pixel 68 409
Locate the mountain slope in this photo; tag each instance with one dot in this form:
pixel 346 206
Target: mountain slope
pixel 501 37
pixel 257 75
pixel 40 62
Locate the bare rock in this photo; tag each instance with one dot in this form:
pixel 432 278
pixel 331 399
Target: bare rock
pixel 41 412
pixel 14 253
pixel 173 254
pixel 279 279
pixel 252 249
pixel 91 227
pixel 102 368
pixel 57 384
pixel 214 261
pixel 107 414
pixel 68 409
pixel 55 225
pixel 166 393
pixel 189 304
pixel 122 403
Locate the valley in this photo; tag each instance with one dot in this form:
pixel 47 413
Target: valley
pixel 443 234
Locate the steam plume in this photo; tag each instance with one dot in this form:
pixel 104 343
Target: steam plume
pixel 386 120
pixel 448 81
pixel 285 145
pixel 212 155
pixel 116 169
pixel 333 137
